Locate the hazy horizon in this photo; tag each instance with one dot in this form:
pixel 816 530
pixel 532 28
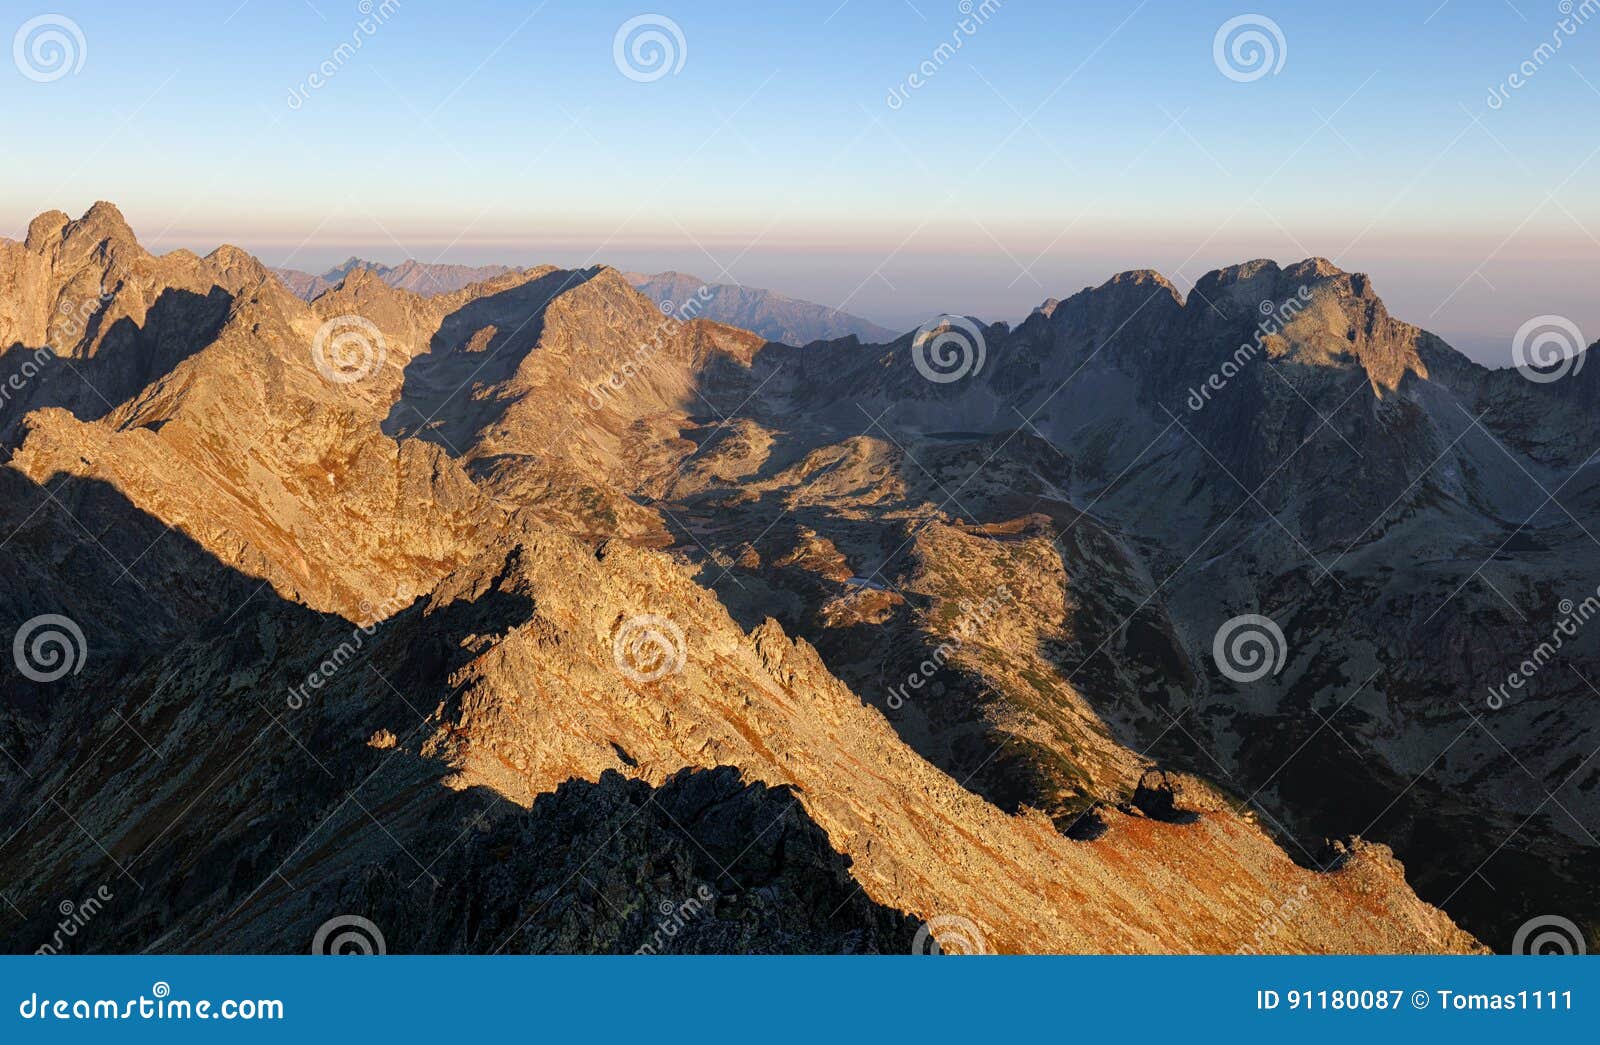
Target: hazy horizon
pixel 1488 347
pixel 778 153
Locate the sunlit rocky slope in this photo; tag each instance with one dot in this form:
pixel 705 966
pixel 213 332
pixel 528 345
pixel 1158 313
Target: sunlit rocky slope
pixel 524 617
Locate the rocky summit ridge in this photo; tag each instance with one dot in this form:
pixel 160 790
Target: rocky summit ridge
pixel 525 616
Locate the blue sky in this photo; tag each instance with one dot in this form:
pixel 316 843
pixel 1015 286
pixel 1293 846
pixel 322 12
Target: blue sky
pixel 1057 146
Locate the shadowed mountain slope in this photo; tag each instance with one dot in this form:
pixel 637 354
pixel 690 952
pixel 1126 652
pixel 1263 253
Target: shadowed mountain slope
pixel 494 487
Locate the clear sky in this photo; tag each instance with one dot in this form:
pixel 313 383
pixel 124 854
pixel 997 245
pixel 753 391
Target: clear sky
pixel 1059 144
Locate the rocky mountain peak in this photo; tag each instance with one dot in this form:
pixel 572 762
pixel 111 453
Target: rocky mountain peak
pixel 1135 284
pixel 359 278
pixel 1263 279
pixel 1138 301
pixel 349 265
pixel 102 223
pixel 1243 272
pixel 1140 278
pixel 1314 268
pixel 236 262
pixel 45 230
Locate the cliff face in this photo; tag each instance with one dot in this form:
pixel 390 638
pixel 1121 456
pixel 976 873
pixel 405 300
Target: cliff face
pixel 527 617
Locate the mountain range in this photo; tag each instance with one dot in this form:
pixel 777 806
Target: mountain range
pixel 772 315
pixel 526 616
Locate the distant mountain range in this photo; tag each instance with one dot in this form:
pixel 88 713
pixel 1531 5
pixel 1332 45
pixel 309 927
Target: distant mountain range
pixel 415 276
pixel 772 315
pixel 765 312
pixel 528 617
